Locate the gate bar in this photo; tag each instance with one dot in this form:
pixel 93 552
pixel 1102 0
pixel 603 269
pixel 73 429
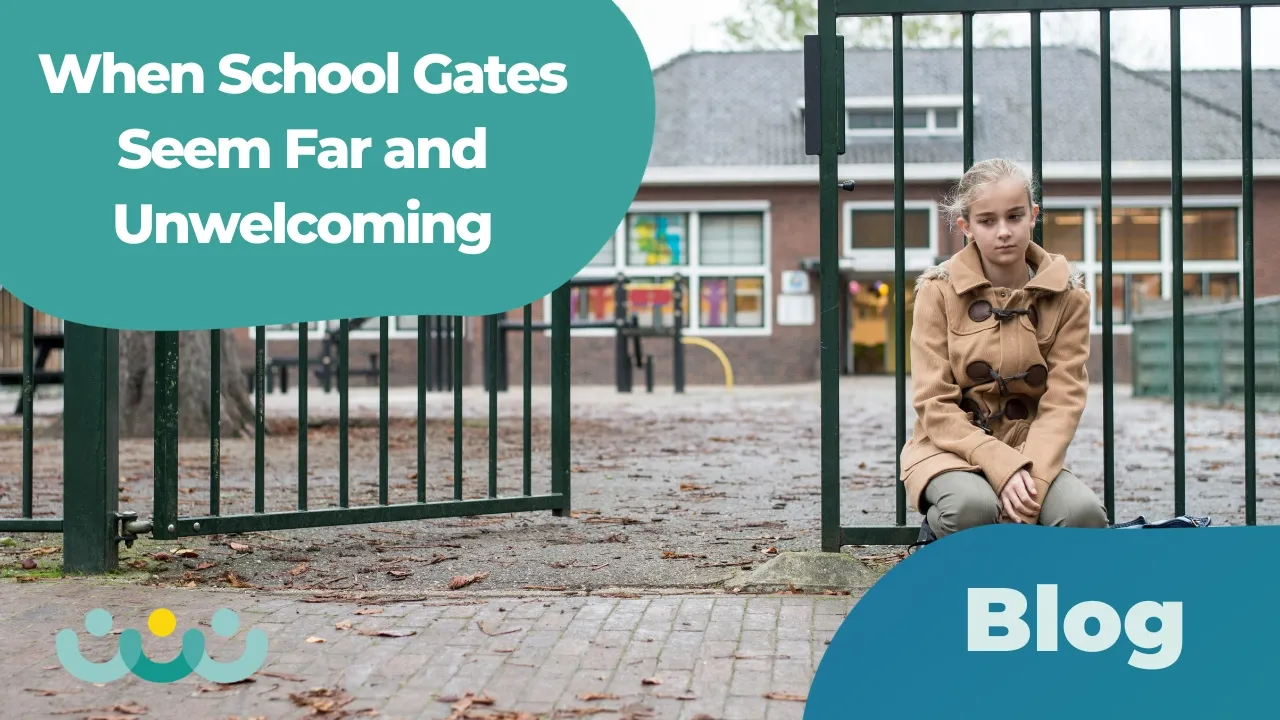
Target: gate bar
pixel 1246 144
pixel 303 351
pixel 383 363
pixel 852 8
pixel 90 451
pixel 455 379
pixel 28 393
pixel 1179 410
pixel 344 464
pixel 968 90
pixel 528 399
pixel 1037 123
pixel 215 421
pixel 899 270
pixel 165 429
pixel 259 421
pixel 1108 332
pixel 828 268
pixel 422 408
pixel 560 407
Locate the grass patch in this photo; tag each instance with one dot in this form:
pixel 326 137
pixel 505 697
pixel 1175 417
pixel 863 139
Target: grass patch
pixel 47 573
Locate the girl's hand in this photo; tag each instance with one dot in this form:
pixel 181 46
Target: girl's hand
pixel 1018 498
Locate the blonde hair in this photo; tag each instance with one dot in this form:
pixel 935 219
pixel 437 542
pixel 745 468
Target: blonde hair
pixel 957 203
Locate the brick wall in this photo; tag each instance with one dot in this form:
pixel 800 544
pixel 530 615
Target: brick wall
pixel 790 354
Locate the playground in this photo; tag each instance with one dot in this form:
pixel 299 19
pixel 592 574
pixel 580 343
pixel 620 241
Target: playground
pixel 670 491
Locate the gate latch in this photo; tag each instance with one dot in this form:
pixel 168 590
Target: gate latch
pixel 131 527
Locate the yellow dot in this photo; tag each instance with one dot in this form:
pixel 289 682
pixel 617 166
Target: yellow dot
pixel 162 622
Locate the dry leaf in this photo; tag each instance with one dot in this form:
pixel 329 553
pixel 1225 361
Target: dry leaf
pixel 27 579
pixel 298 569
pixel 370 611
pixel 651 681
pixel 239 547
pixel 235 580
pixel 672 555
pixel 589 696
pixel 42 693
pixel 344 625
pixel 785 696
pixel 184 552
pixel 582 712
pixel 682 696
pixel 43 550
pixel 770 551
pixel 28 564
pixel 314 639
pixel 386 633
pixel 399 574
pixel 691 486
pixel 205 565
pixel 162 556
pixel 282 675
pixel 554 588
pixel 321 700
pixel 460 581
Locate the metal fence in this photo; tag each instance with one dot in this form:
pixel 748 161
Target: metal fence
pixel 94 523
pixel 825 77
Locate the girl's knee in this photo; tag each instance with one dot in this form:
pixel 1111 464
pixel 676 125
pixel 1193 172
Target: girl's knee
pixel 1070 503
pixel 962 511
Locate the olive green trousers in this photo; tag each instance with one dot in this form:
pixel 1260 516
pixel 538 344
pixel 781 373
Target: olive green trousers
pixel 958 500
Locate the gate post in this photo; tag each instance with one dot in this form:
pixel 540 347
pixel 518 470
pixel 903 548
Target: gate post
pixel 90 449
pixel 561 470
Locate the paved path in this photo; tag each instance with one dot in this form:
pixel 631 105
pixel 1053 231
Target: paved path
pixel 715 656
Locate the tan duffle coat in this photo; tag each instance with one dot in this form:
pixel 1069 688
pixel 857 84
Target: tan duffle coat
pixel 998 375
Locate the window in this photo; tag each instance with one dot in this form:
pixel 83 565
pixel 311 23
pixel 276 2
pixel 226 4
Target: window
pixel 591 303
pixel 657 240
pixel 720 251
pixel 732 302
pixel 1209 234
pixel 732 239
pixel 1129 294
pixel 605 256
pixel 1063 233
pixel 1219 286
pixel 1135 234
pixel 875 229
pixel 883 119
pixel 948 118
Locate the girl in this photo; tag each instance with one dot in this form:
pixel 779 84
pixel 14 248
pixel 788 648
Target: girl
pixel 998 353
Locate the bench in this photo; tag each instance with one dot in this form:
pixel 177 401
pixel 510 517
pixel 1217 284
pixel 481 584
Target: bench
pixel 44 344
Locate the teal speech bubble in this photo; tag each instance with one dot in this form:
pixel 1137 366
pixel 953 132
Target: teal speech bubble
pixel 498 145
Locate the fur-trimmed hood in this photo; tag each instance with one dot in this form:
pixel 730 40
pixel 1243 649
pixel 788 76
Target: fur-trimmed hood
pixel 1052 273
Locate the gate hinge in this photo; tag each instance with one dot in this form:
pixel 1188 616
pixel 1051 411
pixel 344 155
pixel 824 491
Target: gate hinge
pixel 131 527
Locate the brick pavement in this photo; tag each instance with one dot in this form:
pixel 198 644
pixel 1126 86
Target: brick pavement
pixel 716 655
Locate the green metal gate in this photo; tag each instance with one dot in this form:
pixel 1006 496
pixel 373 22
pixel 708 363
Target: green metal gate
pixel 825 121
pixel 93 523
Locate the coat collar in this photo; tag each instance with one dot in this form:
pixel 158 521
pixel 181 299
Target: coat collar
pixel 1052 272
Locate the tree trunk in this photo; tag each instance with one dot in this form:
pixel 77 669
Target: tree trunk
pixel 137 386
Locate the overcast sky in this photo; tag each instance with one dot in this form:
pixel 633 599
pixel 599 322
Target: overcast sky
pixel 1210 37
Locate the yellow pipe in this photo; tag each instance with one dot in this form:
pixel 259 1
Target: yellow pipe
pixel 724 360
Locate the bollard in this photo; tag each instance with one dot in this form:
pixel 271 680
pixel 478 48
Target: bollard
pixel 648 374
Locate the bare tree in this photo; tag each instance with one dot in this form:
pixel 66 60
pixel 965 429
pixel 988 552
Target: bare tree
pixel 137 386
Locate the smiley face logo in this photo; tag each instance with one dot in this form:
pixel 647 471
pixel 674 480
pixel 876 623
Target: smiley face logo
pixel 129 656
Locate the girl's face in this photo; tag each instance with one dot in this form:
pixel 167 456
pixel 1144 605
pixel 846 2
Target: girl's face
pixel 1000 222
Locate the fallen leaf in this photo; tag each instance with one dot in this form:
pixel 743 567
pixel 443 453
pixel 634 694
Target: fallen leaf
pixel 28 564
pixel 553 588
pixel 41 693
pixel 27 579
pixel 682 696
pixel 344 625
pixel 399 574
pixel 314 639
pixel 651 681
pixel 770 550
pixel 239 547
pixel 298 569
pixel 321 700
pixel 205 565
pixel 582 712
pixel 183 552
pixel 785 696
pixel 386 633
pixel 440 558
pixel 43 550
pixel 589 696
pixel 691 486
pixel 370 611
pixel 235 580
pixel 460 581
pixel 672 555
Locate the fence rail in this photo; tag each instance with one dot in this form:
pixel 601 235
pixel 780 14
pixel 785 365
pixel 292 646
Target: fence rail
pixel 827 114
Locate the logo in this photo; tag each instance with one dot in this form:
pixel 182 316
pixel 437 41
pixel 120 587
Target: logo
pixel 130 658
pixel 1165 642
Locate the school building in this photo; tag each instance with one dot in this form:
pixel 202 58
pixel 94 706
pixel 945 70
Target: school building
pixel 729 203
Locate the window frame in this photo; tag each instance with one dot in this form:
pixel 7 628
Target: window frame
pixel 1092 264
pixel 930 104
pixel 692 272
pixel 883 259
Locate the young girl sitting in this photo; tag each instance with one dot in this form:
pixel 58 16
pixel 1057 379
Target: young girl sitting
pixel 998 353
